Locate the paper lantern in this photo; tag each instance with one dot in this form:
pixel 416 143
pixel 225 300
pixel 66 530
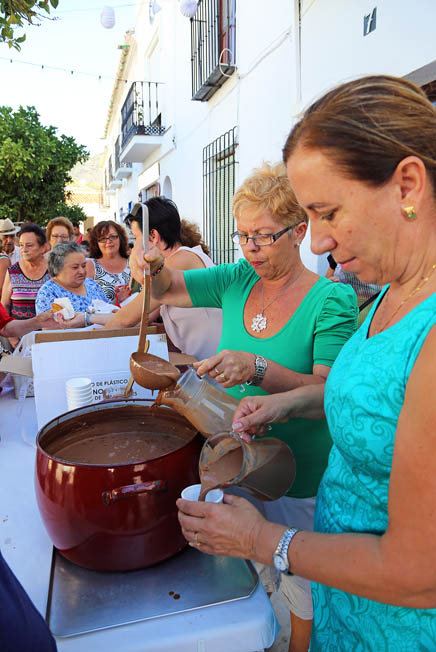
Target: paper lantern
pixel 188 8
pixel 155 7
pixel 107 17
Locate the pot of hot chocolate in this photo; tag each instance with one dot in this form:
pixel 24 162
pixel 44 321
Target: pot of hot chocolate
pixel 107 480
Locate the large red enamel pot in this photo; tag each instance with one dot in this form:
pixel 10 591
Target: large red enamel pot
pixel 115 516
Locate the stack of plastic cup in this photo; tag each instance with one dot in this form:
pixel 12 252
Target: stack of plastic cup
pixel 79 392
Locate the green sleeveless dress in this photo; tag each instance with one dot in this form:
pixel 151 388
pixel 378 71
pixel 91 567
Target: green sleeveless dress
pixel 363 399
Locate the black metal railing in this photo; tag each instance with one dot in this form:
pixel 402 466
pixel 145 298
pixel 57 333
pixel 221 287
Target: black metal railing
pixel 213 43
pixel 110 171
pixel 141 112
pixel 117 162
pixel 219 166
pixel 103 200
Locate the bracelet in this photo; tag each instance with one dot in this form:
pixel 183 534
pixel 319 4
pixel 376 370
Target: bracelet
pixel 260 367
pixel 87 319
pixel 159 269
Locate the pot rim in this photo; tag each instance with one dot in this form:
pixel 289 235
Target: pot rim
pixel 104 405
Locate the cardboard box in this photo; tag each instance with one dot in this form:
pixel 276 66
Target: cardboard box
pixel 101 355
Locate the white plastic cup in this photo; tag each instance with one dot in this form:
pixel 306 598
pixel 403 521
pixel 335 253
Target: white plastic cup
pixel 87 392
pixel 79 399
pixel 73 405
pixel 79 394
pixel 75 384
pixel 193 491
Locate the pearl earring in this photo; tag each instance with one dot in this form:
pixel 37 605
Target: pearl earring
pixel 409 212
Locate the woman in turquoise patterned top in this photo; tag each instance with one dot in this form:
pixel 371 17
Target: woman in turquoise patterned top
pixel 362 162
pixel 277 310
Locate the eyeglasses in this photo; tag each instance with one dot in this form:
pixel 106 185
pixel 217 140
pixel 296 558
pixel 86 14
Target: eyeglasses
pixel 60 237
pixel 260 240
pixel 110 238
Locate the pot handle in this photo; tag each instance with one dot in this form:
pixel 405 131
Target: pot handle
pixel 112 495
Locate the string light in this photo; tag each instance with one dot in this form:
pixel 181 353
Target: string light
pixel 44 66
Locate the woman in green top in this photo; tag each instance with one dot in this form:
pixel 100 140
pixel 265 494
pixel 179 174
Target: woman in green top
pixel 287 324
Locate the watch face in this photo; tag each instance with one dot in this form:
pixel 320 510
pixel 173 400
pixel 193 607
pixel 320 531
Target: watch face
pixel 280 563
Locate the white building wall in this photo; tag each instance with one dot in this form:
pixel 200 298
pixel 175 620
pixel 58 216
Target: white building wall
pixel 334 49
pixel 263 97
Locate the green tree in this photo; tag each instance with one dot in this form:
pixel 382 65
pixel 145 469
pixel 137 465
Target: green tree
pixel 73 212
pixel 35 166
pixel 17 13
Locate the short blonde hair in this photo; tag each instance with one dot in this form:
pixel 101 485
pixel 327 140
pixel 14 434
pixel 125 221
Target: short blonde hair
pixel 268 188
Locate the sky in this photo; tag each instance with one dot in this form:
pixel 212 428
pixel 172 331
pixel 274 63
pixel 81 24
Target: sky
pixel 77 104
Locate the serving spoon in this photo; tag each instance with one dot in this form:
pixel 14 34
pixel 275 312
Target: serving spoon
pixel 146 369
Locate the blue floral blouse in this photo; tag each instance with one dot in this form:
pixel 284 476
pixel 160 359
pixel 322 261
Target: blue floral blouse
pixel 51 291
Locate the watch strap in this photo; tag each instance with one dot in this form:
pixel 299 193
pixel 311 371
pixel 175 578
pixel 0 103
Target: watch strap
pixel 283 545
pixel 260 367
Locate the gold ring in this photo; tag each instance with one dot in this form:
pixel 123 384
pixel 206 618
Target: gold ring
pixel 223 377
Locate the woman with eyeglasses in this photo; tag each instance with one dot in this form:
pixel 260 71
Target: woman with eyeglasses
pixel 108 262
pixel 58 230
pixel 283 327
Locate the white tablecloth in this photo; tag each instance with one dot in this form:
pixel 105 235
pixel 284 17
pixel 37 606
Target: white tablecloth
pixel 247 625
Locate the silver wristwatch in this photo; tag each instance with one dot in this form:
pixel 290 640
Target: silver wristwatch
pixel 280 556
pixel 260 367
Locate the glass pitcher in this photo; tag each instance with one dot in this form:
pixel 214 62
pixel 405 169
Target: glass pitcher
pixel 264 467
pixel 207 407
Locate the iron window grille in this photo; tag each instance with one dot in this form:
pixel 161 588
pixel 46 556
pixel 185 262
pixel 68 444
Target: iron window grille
pixel 213 42
pixel 117 163
pixel 141 111
pixel 110 170
pixel 219 167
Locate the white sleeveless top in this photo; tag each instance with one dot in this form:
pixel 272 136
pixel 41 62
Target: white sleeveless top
pixel 195 331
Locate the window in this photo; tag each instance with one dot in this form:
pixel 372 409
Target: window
pixel 150 191
pixel 219 165
pixel 213 42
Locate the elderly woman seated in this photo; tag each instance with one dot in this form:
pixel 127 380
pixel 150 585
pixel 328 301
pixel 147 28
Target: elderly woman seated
pixel 67 266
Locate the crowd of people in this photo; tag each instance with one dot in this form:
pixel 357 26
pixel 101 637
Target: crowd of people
pixel 351 545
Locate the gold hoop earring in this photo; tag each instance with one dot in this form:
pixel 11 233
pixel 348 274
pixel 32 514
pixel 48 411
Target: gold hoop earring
pixel 409 212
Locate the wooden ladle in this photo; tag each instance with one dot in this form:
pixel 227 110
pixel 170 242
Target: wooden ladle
pixel 148 370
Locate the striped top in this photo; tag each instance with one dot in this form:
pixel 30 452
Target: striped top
pixel 24 291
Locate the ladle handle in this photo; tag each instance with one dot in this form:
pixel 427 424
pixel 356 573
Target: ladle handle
pixel 147 284
pixel 144 318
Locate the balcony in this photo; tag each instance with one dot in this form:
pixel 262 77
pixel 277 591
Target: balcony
pixel 141 129
pixel 121 170
pixel 213 44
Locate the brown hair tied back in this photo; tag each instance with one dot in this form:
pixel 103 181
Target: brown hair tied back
pixel 190 236
pixel 367 126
